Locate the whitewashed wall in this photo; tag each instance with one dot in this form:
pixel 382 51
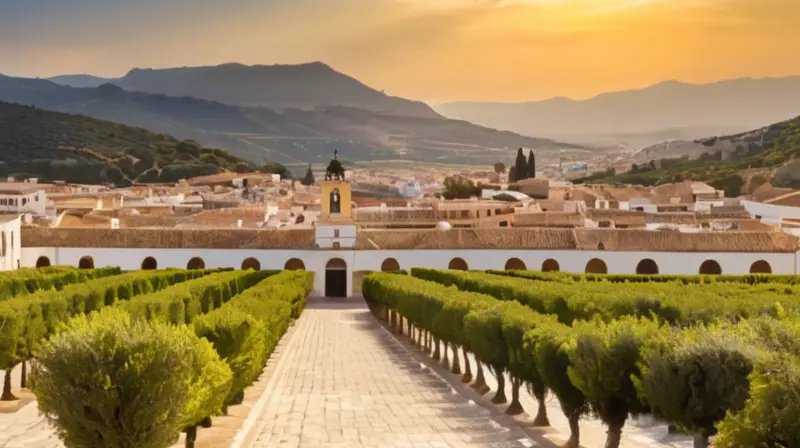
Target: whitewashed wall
pixel 10 231
pixel 371 260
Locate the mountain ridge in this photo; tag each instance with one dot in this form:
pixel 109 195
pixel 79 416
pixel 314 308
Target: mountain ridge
pixel 277 86
pixel 742 103
pixel 289 136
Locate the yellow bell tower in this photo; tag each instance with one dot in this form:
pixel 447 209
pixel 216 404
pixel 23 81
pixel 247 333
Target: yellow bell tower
pixel 336 197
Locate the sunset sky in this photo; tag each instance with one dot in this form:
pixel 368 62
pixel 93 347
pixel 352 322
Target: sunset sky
pixel 433 50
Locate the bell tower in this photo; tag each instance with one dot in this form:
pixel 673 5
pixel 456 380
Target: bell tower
pixel 336 193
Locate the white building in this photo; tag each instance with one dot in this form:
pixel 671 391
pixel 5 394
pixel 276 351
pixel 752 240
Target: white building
pixel 22 197
pixel 338 253
pixel 10 242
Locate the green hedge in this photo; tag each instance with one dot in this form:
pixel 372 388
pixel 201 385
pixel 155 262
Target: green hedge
pixel 28 281
pixel 750 279
pixel 673 302
pixel 700 378
pixel 245 330
pixel 114 381
pixel 28 319
pixel 181 303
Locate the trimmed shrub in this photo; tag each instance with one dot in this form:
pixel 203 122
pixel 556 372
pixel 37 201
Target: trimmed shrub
pixel 245 330
pixel 27 281
pixel 604 358
pixel 146 382
pixel 771 416
pixel 29 319
pixel 697 377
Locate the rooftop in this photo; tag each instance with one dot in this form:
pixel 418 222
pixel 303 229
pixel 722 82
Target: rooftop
pixel 20 187
pixel 473 238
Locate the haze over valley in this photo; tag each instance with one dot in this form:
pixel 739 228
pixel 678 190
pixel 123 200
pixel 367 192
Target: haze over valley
pixel 669 110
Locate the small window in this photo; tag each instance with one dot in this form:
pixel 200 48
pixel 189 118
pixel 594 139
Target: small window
pixel 465 214
pixel 336 233
pixel 337 245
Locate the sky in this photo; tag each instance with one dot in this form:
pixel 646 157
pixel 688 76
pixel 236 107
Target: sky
pixel 432 50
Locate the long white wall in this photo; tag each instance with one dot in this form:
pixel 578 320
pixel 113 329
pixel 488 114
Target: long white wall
pixel 371 260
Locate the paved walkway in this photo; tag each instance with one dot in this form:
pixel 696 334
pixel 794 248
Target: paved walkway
pixel 343 380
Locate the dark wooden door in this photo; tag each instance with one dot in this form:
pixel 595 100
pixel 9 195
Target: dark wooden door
pixel 336 283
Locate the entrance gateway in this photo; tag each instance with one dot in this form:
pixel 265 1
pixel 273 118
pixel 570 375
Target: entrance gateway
pixel 336 278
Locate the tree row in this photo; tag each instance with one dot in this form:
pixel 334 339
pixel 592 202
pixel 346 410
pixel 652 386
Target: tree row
pixel 166 361
pixel 738 378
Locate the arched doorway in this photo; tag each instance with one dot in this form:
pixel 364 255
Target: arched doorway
pixel 596 266
pixel 42 262
pixel 515 264
pixel 336 278
pixel 647 267
pixel 295 264
pixel 251 263
pixel 149 264
pixel 550 265
pixel 458 264
pixel 196 263
pixel 710 267
pixel 390 265
pixel 760 267
pixel 86 262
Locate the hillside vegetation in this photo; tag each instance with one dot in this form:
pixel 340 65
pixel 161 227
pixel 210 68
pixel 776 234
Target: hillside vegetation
pixel 773 146
pixel 74 148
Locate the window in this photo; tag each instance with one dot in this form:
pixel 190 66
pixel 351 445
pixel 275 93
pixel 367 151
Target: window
pixel 465 214
pixel 337 245
pixel 336 233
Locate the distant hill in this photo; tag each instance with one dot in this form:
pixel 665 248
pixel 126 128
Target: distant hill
pixel 74 148
pixel 693 108
pixel 289 136
pixel 725 162
pixel 303 86
pixel 79 80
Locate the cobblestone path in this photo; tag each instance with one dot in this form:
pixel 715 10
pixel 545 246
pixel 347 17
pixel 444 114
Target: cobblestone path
pixel 344 381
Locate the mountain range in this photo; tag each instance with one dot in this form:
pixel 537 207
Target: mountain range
pixel 304 122
pixel 641 117
pixel 278 87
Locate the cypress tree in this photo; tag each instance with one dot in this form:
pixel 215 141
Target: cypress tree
pixel 520 166
pixel 531 165
pixel 309 179
pixel 511 176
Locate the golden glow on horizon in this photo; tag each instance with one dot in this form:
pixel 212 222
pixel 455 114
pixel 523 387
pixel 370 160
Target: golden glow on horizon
pixel 441 50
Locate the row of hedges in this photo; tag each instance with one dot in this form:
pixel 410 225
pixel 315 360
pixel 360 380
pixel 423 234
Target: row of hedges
pixel 246 330
pixel 27 320
pixel 739 378
pixel 31 280
pixel 751 279
pixel 672 302
pixel 181 303
pixel 155 378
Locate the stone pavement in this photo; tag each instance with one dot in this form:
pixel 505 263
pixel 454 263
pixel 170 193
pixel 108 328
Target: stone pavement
pixel 25 428
pixel 344 381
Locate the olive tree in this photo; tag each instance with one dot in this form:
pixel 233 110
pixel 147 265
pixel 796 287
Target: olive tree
pixel 548 344
pixel 697 377
pixel 603 359
pixel 110 380
pixel 485 332
pixel 771 416
pixel 517 321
